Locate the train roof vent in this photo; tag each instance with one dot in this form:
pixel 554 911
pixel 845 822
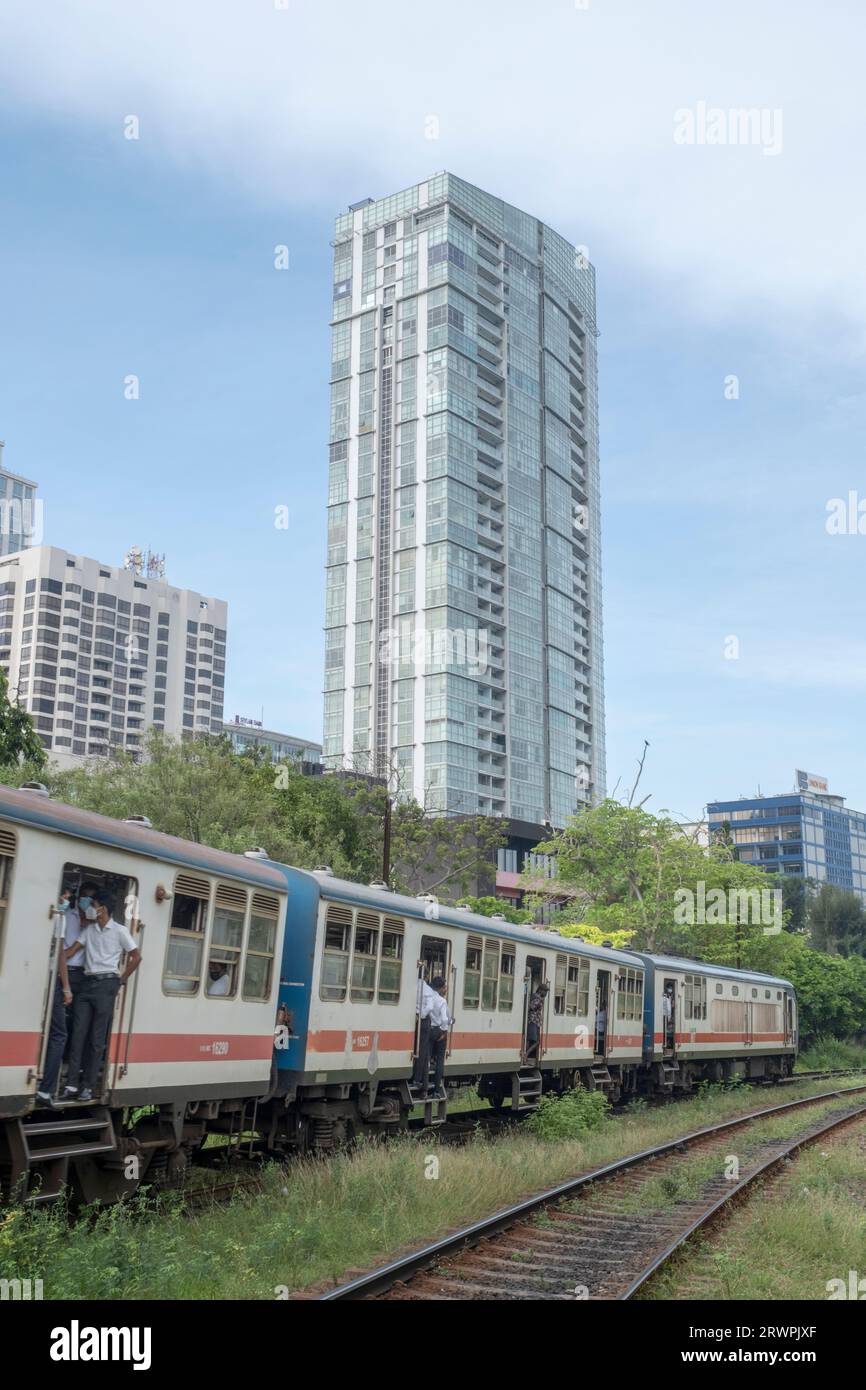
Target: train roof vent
pixel 379 883
pixel 609 944
pixel 498 916
pixel 139 820
pixel 38 787
pixel 427 897
pixel 256 853
pixel 324 869
pixel 462 907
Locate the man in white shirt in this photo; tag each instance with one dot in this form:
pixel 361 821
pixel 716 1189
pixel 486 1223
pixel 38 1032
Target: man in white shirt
pixel 440 1023
pixel 424 1004
pixel 219 980
pixel 103 942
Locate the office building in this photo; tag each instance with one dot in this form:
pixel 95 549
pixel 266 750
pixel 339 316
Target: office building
pixel 97 653
pixel 282 748
pixel 463 610
pixel 809 834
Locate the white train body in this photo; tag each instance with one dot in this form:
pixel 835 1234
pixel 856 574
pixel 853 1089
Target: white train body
pixel 313 1033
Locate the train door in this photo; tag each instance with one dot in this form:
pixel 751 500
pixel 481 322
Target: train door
pixel 669 1016
pixel 748 1023
pixel 603 1002
pixel 533 1028
pixel 789 1021
pixel 434 960
pixel 78 886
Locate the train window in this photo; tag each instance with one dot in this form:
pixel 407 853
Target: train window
pixel 506 977
pixel 767 994
pixel 695 996
pixel 189 906
pixel 630 995
pixel 490 974
pixel 335 957
pixel 572 987
pixel 754 994
pixel 583 989
pixel 472 974
pixel 391 963
pixel 259 964
pixel 560 980
pixel 735 989
pixel 364 956
pixel 226 939
pixel 778 994
pixel 718 989
pixel 7 858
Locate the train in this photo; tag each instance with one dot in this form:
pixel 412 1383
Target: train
pixel 313 1039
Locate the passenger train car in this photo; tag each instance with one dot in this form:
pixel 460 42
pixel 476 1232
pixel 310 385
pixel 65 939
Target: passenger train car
pixel 314 1037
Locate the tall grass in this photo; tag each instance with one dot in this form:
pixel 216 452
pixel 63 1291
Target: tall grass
pixel 318 1219
pixel 827 1053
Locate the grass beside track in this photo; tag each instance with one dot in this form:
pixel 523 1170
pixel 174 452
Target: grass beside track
pixel 813 1220
pixel 316 1220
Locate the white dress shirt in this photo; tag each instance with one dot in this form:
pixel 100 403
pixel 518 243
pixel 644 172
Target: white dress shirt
pixel 221 985
pixel 425 1000
pixel 439 1015
pixel 103 947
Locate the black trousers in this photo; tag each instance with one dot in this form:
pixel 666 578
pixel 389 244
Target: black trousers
pixel 430 1049
pixel 420 1076
pixel 56 1042
pixel 94 1008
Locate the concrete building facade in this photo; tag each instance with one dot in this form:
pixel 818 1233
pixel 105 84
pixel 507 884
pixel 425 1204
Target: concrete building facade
pixel 96 654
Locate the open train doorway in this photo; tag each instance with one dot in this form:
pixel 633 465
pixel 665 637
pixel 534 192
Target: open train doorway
pixel 534 1010
pixel 434 961
pixel 669 1017
pixel 602 1013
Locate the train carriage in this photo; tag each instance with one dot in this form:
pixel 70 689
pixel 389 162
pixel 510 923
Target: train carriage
pixel 172 1044
pixel 721 1023
pixel 352 964
pixel 311 1034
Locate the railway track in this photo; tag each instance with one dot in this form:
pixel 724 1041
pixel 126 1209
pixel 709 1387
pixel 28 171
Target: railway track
pixel 604 1234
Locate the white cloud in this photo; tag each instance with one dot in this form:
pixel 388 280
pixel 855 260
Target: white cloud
pixel 565 111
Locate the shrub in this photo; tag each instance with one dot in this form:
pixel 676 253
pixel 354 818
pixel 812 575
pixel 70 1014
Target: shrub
pixel 569 1116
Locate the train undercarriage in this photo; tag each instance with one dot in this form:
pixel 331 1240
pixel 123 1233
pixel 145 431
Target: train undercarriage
pixel 99 1154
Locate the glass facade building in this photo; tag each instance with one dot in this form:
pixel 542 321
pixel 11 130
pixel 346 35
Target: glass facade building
pixel 463 611
pixel 20 522
pixel 811 835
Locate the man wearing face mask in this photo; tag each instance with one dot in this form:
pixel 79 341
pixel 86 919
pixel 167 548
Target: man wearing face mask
pixel 103 942
pixel 220 981
pixel 77 918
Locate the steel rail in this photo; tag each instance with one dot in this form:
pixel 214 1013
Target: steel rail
pixel 406 1266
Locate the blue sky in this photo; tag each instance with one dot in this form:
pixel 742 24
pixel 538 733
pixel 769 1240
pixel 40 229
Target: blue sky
pixel 258 125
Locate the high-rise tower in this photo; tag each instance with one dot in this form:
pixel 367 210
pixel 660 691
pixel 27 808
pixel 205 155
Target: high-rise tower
pixel 464 637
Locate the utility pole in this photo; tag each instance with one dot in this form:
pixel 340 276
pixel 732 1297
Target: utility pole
pixel 386 843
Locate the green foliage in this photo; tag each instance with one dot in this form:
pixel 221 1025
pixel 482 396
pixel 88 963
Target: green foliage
pixel 201 790
pixel 490 906
pixel 596 936
pixel 827 1054
pixel 568 1116
pixel 837 922
pixel 831 990
pixel 627 869
pixel 19 742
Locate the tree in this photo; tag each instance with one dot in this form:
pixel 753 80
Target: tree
pixel 201 790
pixel 19 741
pixel 632 871
pixel 837 922
pixel 495 907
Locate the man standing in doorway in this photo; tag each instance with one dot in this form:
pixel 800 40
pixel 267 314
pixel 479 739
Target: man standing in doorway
pixel 103 943
pixel 535 1020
